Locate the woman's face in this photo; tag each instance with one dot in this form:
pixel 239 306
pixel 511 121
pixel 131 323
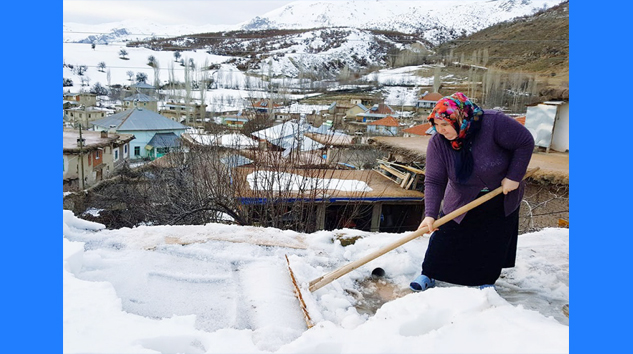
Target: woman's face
pixel 446 129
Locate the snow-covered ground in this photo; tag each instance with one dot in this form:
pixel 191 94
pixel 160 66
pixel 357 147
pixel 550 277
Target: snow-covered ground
pixel 226 289
pixel 233 89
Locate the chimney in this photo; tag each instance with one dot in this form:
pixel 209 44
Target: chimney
pixel 104 134
pixel 81 142
pixel 112 129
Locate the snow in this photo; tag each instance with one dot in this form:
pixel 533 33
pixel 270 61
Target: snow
pixel 283 181
pixel 237 141
pixel 403 16
pixel 219 288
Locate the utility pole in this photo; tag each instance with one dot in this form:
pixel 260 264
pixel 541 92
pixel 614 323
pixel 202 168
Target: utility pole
pixel 81 156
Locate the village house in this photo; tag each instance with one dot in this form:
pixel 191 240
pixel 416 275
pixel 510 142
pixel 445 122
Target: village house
pixel 388 126
pixel 143 87
pixel 94 157
pixel 155 134
pixel 236 121
pixel 140 100
pixel 354 110
pixel 263 106
pixel 418 130
pixel 83 115
pixel 191 113
pixel 376 112
pixel 288 137
pixel 425 104
pixel 80 99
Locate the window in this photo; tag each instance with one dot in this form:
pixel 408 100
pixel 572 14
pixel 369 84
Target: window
pixel 137 151
pixel 97 154
pixel 125 150
pixel 116 155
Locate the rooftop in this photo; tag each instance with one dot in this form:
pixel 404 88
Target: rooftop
pixel 92 139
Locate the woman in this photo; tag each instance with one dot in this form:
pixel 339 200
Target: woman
pixel 475 151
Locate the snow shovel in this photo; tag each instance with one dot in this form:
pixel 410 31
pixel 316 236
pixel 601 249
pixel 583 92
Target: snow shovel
pixel 328 278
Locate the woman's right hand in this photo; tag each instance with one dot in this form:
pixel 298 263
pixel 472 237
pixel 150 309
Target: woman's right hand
pixel 427 222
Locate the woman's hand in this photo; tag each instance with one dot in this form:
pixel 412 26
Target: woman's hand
pixel 427 222
pixel 509 185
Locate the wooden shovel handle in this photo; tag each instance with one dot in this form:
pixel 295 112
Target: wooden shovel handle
pixel 337 273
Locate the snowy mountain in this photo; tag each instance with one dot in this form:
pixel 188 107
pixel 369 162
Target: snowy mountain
pixel 131 30
pixel 437 20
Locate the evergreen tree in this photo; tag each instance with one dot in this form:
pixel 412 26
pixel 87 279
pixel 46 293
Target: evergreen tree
pixel 141 77
pixel 98 89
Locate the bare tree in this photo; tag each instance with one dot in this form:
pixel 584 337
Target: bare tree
pixel 276 187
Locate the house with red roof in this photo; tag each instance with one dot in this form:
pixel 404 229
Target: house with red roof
pixel 388 126
pixel 424 105
pixel 418 130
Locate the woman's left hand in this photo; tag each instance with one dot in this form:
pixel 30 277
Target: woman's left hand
pixel 509 185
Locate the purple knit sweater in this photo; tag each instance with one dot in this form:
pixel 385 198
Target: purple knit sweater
pixel 502 148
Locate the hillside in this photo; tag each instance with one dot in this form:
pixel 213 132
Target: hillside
pixel 311 53
pixel 534 44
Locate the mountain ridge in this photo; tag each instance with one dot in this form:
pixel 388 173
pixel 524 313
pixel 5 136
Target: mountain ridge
pixel 426 18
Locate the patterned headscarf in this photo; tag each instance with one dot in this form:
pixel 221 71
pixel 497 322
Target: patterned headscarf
pixel 451 109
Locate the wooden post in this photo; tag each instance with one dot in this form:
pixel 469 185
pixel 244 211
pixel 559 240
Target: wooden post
pixel 376 211
pixel 320 217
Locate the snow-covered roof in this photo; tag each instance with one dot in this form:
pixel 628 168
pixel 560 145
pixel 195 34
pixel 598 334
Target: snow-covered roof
pixel 238 141
pixel 290 136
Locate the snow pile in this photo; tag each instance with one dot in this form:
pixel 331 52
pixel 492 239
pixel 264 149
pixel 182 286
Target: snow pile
pixel 215 289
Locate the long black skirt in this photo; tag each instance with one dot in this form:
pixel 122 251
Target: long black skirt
pixel 474 251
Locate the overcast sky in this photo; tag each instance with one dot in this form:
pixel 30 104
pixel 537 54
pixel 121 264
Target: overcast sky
pixel 168 12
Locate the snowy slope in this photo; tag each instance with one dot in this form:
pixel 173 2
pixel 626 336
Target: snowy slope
pixel 132 29
pixel 437 19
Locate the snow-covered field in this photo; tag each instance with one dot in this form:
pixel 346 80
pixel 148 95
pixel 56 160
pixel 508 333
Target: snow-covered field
pixel 226 289
pixel 233 88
